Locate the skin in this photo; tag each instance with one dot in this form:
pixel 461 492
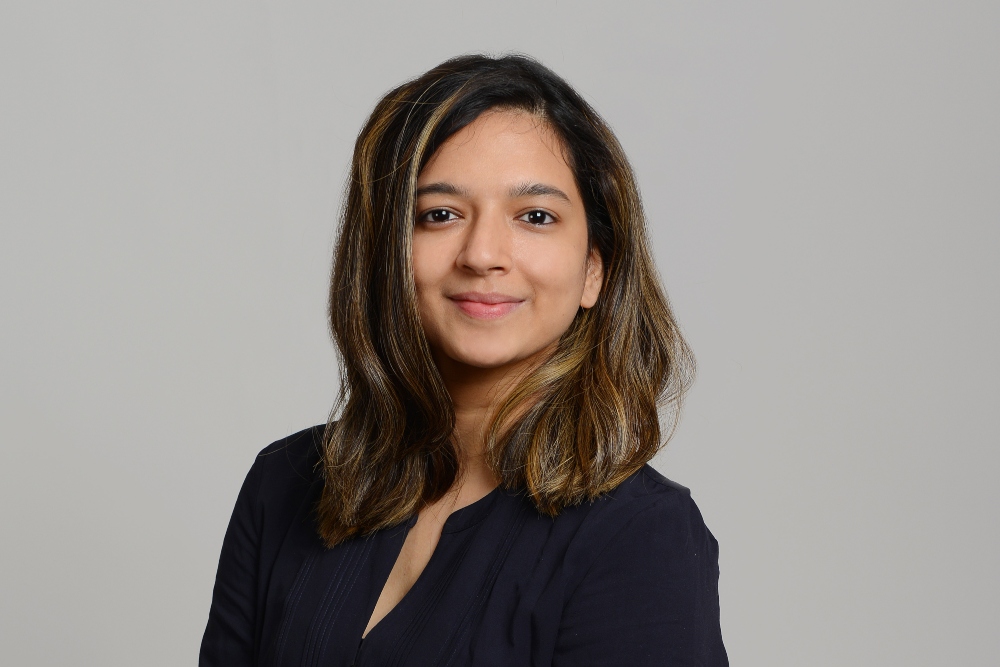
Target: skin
pixel 499 217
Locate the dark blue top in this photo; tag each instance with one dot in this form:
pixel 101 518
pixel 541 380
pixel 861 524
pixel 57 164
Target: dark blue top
pixel 630 579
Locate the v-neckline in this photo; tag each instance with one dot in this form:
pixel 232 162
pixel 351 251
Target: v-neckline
pixel 460 519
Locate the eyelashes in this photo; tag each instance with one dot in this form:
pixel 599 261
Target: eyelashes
pixel 538 217
pixel 438 216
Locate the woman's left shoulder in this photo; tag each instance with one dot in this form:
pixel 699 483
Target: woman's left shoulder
pixel 648 515
pixel 649 494
pixel 647 482
pixel 641 584
pixel 659 510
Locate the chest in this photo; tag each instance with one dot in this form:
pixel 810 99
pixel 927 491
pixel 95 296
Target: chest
pixel 418 547
pixel 487 592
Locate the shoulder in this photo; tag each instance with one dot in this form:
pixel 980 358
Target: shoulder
pixel 648 482
pixel 295 455
pixel 645 492
pixel 664 520
pixel 646 521
pixel 644 587
pixel 659 503
pixel 284 473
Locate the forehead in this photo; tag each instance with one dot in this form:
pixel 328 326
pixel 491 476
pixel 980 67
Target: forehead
pixel 501 143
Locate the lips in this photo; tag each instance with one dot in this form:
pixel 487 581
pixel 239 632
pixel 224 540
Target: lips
pixel 486 305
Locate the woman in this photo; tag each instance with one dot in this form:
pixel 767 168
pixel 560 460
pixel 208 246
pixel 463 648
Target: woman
pixel 483 497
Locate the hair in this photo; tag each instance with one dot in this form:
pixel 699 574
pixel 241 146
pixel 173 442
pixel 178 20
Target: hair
pixel 572 429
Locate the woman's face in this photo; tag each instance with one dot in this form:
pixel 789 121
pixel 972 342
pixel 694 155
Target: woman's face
pixel 500 257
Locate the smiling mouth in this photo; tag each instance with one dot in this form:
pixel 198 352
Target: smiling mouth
pixel 486 306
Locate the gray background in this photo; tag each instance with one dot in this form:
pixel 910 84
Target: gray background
pixel 822 184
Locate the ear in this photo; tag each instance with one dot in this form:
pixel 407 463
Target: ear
pixel 594 280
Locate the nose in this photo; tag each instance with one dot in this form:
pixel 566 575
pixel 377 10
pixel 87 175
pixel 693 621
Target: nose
pixel 487 245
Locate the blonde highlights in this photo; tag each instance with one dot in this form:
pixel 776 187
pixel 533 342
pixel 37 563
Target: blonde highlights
pixel 578 424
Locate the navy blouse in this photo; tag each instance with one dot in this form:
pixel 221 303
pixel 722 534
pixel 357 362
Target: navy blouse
pixel 630 579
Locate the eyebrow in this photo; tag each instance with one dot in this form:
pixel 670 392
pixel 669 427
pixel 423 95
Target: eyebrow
pixel 442 189
pixel 537 190
pixel 522 190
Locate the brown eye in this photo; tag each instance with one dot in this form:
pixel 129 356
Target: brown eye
pixel 538 217
pixel 438 215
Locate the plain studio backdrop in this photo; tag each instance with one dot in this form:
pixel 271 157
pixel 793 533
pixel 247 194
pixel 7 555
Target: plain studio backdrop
pixel 822 181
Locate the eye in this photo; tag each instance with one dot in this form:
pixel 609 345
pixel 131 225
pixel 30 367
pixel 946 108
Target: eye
pixel 437 215
pixel 538 217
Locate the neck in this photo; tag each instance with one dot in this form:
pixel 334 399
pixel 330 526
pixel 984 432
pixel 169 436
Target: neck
pixel 475 393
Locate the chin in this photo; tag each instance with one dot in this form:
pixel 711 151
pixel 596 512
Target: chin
pixel 486 356
pixel 486 361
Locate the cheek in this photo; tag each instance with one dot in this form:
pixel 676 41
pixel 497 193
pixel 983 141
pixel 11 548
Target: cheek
pixel 421 267
pixel 424 279
pixel 429 265
pixel 559 274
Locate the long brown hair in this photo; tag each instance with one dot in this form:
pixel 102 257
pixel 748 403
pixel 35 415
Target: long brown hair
pixel 575 427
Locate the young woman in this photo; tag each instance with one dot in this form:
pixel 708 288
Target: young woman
pixel 483 495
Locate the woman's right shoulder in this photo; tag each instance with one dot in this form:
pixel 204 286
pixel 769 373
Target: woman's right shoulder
pixel 296 454
pixel 279 487
pixel 286 471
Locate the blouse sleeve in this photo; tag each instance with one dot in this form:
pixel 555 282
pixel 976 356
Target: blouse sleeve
pixel 230 634
pixel 650 597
